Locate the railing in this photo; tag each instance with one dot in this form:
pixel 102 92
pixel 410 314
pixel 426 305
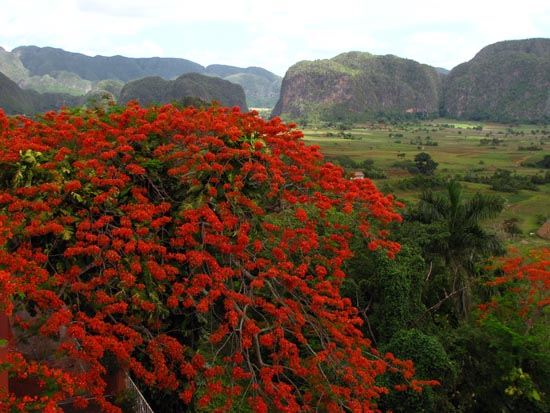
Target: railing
pixel 141 404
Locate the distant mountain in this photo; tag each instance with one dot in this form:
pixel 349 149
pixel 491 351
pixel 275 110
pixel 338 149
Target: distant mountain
pixel 207 88
pixel 261 86
pixel 191 88
pixel 55 82
pixel 48 69
pixel 359 83
pixel 15 100
pixel 507 81
pixel 225 71
pixel 12 67
pixel 45 60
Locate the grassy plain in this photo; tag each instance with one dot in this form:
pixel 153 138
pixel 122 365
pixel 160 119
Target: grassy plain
pixel 460 148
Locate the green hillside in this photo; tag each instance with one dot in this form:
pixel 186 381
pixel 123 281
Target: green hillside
pixel 505 82
pixel 207 88
pixel 357 84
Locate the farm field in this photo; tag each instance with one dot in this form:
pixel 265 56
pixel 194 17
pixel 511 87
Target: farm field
pixel 463 150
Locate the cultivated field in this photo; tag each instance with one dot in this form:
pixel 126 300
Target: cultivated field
pixel 464 150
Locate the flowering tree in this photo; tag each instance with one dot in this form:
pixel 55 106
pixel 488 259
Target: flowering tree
pixel 198 250
pixel 517 323
pixel 528 278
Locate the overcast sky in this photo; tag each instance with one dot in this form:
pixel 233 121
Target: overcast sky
pixel 272 34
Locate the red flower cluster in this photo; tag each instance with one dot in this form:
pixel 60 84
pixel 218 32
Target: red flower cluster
pixel 527 277
pixel 198 250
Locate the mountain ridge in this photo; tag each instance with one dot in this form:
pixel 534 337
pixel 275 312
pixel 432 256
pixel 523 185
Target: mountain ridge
pixel 44 67
pixel 507 81
pixel 206 88
pixel 358 82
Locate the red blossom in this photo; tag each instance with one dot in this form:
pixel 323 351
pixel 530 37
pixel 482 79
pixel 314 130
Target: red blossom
pixel 527 277
pixel 197 249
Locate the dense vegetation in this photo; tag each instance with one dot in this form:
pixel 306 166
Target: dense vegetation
pixel 436 286
pixel 201 251
pixel 226 266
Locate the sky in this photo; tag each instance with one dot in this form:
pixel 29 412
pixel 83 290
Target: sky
pixel 272 34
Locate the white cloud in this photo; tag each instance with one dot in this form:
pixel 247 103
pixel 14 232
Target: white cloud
pixel 273 35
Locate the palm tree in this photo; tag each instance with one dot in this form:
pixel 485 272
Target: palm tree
pixel 465 242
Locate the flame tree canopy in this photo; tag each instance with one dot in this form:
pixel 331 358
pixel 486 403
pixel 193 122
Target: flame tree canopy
pixel 200 251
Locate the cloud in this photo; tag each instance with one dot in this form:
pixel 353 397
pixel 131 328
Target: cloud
pixel 273 35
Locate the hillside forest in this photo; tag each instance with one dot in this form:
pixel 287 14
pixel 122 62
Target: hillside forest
pixel 333 257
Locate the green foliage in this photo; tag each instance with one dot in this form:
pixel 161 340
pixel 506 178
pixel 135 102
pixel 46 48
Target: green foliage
pixel 502 369
pixel 505 181
pixel 544 163
pixel 416 182
pixel 426 293
pixel 425 164
pixel 387 292
pixel 430 360
pixel 462 243
pixel 511 226
pixel 462 216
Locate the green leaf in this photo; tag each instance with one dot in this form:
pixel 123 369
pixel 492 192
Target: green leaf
pixel 77 197
pixel 67 234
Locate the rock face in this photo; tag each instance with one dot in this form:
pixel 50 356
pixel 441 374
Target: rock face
pixel 207 88
pixel 360 83
pixel 505 82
